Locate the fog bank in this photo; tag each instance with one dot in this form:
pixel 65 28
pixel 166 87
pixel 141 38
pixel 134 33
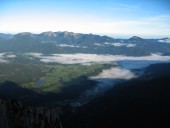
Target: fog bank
pixel 115 73
pixel 80 58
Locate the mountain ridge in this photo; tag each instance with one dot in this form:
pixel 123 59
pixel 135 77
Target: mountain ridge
pixel 68 42
pixel 51 33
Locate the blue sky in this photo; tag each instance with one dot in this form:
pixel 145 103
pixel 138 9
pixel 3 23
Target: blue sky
pixel 117 18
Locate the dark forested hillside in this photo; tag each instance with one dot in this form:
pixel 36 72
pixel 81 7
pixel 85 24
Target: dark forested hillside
pixel 143 102
pixel 13 114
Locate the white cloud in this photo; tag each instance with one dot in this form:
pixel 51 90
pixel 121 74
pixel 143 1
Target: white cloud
pixel 131 45
pixel 145 26
pixel 165 41
pixel 81 58
pixel 3 61
pixel 118 44
pixel 115 73
pixel 10 56
pixel 106 43
pixel 84 46
pixel 157 26
pixel 66 45
pixel 4 56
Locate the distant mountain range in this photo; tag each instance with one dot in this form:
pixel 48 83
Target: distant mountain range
pixel 69 42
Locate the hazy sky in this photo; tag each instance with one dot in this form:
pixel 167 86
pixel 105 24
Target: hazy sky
pixel 146 18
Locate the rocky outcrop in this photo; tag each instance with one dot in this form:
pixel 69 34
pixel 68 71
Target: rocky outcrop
pixel 13 114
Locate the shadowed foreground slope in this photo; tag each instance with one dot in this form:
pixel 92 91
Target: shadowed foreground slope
pixel 13 114
pixel 142 102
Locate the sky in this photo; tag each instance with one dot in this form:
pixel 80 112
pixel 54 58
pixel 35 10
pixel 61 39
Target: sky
pixel 116 18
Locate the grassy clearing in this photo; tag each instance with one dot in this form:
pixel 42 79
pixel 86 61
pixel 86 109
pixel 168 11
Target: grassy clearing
pixel 55 76
pixel 59 76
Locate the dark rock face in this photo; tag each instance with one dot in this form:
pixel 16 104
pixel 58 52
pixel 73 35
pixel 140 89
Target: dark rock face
pixel 13 114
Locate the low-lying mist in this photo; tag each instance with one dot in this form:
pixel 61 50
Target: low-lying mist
pixel 124 69
pixel 80 58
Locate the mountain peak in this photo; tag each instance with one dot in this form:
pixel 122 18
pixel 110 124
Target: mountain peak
pixel 71 34
pixel 49 33
pixel 25 34
pixel 135 38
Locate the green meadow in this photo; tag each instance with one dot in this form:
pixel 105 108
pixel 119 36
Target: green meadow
pixel 49 77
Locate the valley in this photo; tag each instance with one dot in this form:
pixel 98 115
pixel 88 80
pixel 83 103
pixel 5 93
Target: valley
pixel 68 75
pixel 54 76
pixel 84 63
pixel 73 79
